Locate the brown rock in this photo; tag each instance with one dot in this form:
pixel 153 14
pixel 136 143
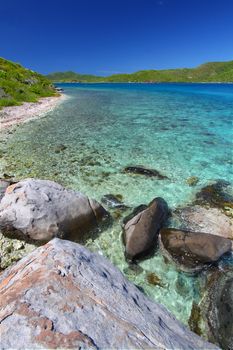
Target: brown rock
pixel 193 249
pixel 140 232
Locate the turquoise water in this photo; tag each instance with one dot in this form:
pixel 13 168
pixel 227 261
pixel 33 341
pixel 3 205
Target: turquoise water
pixel 181 130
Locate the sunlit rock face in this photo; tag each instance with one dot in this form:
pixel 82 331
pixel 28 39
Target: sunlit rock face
pixel 62 295
pixel 39 210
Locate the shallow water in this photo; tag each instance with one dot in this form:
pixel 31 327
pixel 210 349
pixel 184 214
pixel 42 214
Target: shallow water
pixel 181 130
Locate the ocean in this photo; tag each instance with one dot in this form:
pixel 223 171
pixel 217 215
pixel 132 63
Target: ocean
pixel 180 130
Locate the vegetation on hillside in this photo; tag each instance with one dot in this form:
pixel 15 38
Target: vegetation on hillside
pixel 18 84
pixel 208 72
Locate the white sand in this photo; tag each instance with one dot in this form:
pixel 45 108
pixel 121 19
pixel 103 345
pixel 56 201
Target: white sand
pixel 14 115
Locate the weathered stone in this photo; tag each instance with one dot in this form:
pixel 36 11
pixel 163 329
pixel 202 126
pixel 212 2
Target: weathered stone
pixel 216 309
pixel 38 210
pixel 192 250
pixel 215 195
pixel 140 170
pixel 113 201
pixel 140 232
pixel 201 219
pixel 63 296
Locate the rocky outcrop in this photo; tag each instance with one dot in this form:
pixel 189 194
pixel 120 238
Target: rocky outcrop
pixel 39 210
pixel 215 312
pixel 63 296
pixel 140 232
pixel 201 219
pixel 140 170
pixel 192 250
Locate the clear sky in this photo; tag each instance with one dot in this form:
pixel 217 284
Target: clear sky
pixel 115 36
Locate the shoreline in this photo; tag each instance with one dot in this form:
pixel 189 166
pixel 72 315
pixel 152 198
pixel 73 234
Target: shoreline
pixel 16 115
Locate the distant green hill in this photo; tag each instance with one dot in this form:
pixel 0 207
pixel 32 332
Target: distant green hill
pixel 73 77
pixel 18 84
pixel 208 72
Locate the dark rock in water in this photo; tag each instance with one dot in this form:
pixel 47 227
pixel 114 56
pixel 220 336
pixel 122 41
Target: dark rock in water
pixel 140 170
pixel 153 279
pixel 215 195
pixel 7 176
pixel 64 296
pixel 133 269
pixel 193 250
pixel 141 231
pixel 60 148
pixel 201 219
pixel 113 201
pixel 192 180
pixel 195 319
pixel 217 309
pixel 39 210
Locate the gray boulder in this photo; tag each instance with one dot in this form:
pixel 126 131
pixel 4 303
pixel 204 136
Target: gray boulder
pixel 140 232
pixel 201 219
pixel 192 250
pixel 39 210
pixel 64 296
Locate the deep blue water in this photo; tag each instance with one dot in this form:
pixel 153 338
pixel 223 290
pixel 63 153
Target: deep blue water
pixel 181 130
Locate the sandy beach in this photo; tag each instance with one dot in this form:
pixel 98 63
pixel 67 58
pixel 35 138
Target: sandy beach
pixel 14 115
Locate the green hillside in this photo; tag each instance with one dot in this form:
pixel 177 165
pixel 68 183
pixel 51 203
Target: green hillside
pixel 73 77
pixel 208 72
pixel 18 84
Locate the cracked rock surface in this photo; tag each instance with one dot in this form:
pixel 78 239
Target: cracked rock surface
pixel 64 296
pixel 39 210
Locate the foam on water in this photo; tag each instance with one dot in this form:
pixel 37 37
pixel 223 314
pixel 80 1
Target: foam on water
pixel 181 130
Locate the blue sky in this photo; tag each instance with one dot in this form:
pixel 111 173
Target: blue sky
pixel 115 36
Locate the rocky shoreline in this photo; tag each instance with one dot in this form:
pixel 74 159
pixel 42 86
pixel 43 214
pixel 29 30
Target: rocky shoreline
pixel 14 115
pixel 195 238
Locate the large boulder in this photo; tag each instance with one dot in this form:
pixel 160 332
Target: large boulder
pixel 193 250
pixel 140 232
pixel 214 315
pixel 201 219
pixel 64 296
pixel 39 210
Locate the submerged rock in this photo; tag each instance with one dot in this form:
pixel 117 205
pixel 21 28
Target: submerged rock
pixel 113 201
pixel 154 280
pixel 193 250
pixel 216 309
pixel 39 210
pixel 215 195
pixel 60 148
pixel 140 170
pixel 64 296
pixel 140 232
pixel 192 180
pixel 201 219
